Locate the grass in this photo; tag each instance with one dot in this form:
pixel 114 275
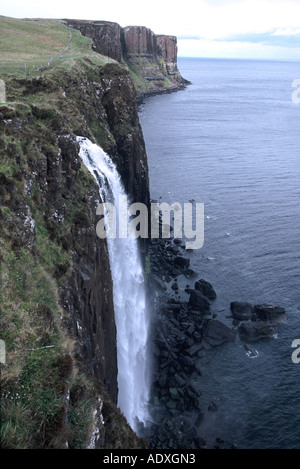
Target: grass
pixel 30 46
pixel 31 394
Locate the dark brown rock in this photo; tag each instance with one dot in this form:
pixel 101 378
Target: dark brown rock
pixel 254 331
pixel 139 40
pixel 269 312
pixel 167 48
pixel 106 36
pixel 206 289
pixel 241 311
pixel 152 57
pixel 215 333
pixel 198 302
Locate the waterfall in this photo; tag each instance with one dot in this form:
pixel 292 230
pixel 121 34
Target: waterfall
pixel 129 296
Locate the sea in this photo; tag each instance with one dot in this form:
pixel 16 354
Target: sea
pixel 231 140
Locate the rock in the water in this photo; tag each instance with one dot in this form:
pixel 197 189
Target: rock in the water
pixel 241 311
pixel 215 333
pixel 272 313
pixel 206 289
pixel 194 349
pixel 199 302
pixel 200 443
pixel 212 406
pixel 181 262
pixel 254 331
pixel 190 273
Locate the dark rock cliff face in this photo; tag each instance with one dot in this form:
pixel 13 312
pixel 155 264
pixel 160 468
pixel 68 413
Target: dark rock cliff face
pixel 87 292
pixel 139 40
pixel 106 36
pixel 51 198
pixel 129 154
pixel 151 58
pixel 167 46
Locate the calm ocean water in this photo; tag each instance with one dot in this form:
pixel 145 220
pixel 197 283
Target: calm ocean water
pixel 231 140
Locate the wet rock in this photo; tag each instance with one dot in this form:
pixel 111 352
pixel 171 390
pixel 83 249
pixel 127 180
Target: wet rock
pixel 174 394
pixel 206 289
pixel 181 262
pixel 171 405
pixel 173 250
pixel 212 406
pixel 199 419
pixel 269 312
pixel 215 333
pixel 193 388
pixel 175 272
pixel 194 349
pixel 199 302
pixel 241 311
pixel 190 273
pixel 200 443
pixel 254 331
pixel 172 307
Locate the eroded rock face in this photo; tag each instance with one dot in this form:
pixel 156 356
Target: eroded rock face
pixel 128 153
pixel 167 47
pixel 106 36
pixel 58 203
pixel 139 40
pixel 254 331
pixel 152 57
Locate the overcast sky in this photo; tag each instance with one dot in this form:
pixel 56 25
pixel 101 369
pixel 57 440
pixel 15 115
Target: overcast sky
pixel 204 28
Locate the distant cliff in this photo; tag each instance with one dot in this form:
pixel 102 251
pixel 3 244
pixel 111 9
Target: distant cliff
pixel 151 58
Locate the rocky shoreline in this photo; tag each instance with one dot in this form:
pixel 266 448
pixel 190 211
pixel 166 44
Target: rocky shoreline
pixel 183 331
pixel 147 94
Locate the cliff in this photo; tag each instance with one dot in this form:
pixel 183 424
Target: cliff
pixel 59 384
pixel 150 58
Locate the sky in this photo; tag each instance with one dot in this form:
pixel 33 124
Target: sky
pixel 255 29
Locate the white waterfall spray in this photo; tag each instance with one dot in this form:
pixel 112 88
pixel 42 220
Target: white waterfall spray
pixel 128 294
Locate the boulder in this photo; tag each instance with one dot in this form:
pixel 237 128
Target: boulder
pixel 174 393
pixel 181 262
pixel 206 289
pixel 198 302
pixel 173 250
pixel 241 311
pixel 212 406
pixel 269 312
pixel 194 349
pixel 254 331
pixel 215 333
pixel 190 273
